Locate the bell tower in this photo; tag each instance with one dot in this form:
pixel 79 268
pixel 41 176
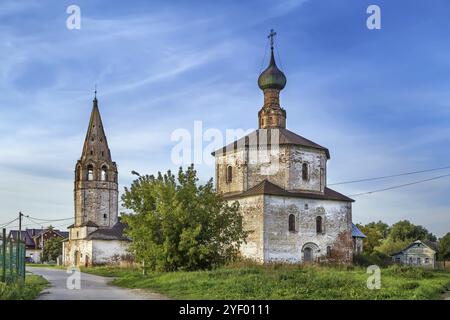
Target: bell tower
pixel 96 187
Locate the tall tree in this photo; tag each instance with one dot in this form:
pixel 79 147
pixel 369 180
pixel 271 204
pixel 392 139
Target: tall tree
pixel 444 247
pixel 178 224
pixel 52 249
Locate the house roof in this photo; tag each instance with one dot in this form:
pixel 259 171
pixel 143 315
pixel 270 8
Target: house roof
pixel 268 188
pixel 429 244
pixel 286 137
pixel 356 233
pixel 114 233
pixel 28 235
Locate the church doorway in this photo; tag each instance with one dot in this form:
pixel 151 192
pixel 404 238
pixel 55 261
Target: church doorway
pixel 307 255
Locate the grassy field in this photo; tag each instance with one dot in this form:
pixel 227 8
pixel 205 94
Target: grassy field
pixel 285 282
pixel 28 291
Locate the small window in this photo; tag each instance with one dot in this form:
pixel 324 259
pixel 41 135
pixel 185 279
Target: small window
pixel 291 223
pixel 319 228
pixel 419 261
pixel 229 174
pixel 306 206
pixel 427 260
pixel 103 153
pixel 90 172
pixel 105 216
pixel 92 152
pixel 304 171
pixel 328 251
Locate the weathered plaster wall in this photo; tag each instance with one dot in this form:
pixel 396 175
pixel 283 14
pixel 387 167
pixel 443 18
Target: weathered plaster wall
pixel 282 167
pixel 316 162
pixel 283 245
pixel 84 247
pixel 108 251
pixel 252 209
pixel 96 201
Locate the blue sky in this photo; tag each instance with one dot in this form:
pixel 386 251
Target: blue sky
pixel 379 100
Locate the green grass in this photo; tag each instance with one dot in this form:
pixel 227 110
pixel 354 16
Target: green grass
pixel 284 282
pixel 28 291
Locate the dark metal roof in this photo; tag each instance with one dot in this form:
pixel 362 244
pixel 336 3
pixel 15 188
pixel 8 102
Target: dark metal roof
pixel 286 137
pixel 114 233
pixel 356 233
pixel 28 235
pixel 269 188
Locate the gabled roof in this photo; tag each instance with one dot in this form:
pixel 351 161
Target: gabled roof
pixel 268 188
pixel 114 233
pixel 356 233
pixel 28 235
pixel 427 243
pixel 262 137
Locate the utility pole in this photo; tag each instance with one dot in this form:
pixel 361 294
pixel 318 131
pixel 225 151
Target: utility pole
pixel 18 244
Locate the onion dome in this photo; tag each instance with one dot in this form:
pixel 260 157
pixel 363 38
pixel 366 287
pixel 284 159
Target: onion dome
pixel 272 77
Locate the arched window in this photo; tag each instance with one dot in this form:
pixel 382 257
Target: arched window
pixel 328 251
pixel 305 171
pixel 90 172
pixel 104 174
pixel 229 174
pixel 291 223
pixel 319 228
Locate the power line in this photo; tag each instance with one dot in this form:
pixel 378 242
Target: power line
pixel 8 223
pixel 51 220
pixel 389 176
pixel 400 186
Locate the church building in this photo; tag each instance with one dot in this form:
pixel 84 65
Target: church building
pixel 283 195
pixel 96 237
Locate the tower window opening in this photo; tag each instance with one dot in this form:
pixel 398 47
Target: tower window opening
pixel 104 174
pixel 105 216
pixel 92 152
pixel 90 172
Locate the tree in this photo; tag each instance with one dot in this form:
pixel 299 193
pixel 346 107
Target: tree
pixel 373 237
pixel 405 230
pixel 381 227
pixel 52 249
pixel 177 224
pixel 444 247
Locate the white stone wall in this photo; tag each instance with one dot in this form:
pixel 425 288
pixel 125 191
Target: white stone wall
pixel 252 209
pixel 283 245
pixel 316 161
pixel 108 251
pixel 84 247
pixel 282 167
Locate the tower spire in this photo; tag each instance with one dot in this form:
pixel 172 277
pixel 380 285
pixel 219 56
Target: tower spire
pixel 271 81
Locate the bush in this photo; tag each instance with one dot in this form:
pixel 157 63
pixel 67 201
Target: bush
pixel 375 258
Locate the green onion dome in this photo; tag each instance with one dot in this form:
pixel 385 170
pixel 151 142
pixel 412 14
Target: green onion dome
pixel 272 77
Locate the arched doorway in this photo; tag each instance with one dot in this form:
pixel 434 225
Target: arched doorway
pixel 310 252
pixel 307 255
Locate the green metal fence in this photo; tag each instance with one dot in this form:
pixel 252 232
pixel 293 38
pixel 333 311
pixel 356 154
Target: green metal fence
pixel 12 259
